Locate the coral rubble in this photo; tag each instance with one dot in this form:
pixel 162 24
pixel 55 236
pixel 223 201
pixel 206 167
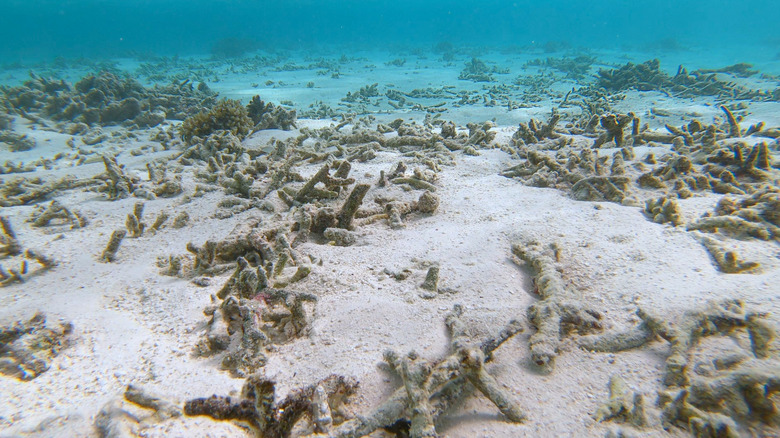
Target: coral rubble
pixel 711 400
pixel 27 349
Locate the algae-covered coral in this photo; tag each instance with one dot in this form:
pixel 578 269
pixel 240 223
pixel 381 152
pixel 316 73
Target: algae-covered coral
pixel 227 115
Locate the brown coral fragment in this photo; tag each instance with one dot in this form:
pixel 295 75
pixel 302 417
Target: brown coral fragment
pixel 310 191
pixel 737 226
pixel 9 244
pixel 347 213
pixel 560 310
pixel 313 404
pixel 738 395
pixel 726 260
pixel 109 254
pixel 227 115
pixel 119 185
pixel 134 222
pixel 734 130
pixel 662 210
pixel 27 349
pixel 55 211
pixel 601 188
pixel 623 404
pixel 614 124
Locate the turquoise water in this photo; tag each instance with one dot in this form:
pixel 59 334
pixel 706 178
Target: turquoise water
pixel 37 30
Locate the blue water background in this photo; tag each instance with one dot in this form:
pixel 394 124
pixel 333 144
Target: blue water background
pixel 37 30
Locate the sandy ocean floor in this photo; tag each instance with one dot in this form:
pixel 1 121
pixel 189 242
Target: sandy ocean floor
pixel 131 324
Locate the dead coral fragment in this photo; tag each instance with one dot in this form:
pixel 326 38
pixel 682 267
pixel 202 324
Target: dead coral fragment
pixel 252 310
pixel 583 174
pixel 17 142
pixel 266 115
pixel 601 188
pixel 477 71
pixel 559 310
pixel 534 131
pixel 181 220
pixel 614 124
pixel 734 130
pixel 721 317
pixel 163 409
pixel 319 405
pixel 740 165
pixel 28 349
pixel 119 185
pixel 310 191
pixel 9 247
pixel 757 215
pixel 9 244
pixel 134 223
pixel 623 404
pixel 431 283
pixel 347 213
pixel 727 261
pixel 43 216
pixel 648 76
pixel 115 421
pixel 340 237
pixel 442 382
pixel 662 210
pixel 159 222
pixel 717 406
pixel 109 254
pixel 735 225
pixel 395 211
pixel 23 191
pixel 25 271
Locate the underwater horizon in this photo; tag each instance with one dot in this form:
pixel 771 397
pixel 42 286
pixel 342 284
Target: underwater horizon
pixel 40 30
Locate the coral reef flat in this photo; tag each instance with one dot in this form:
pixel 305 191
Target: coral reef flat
pixel 453 242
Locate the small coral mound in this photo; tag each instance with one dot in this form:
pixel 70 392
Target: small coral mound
pixel 227 115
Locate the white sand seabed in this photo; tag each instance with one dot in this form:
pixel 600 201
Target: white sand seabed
pixel 134 325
